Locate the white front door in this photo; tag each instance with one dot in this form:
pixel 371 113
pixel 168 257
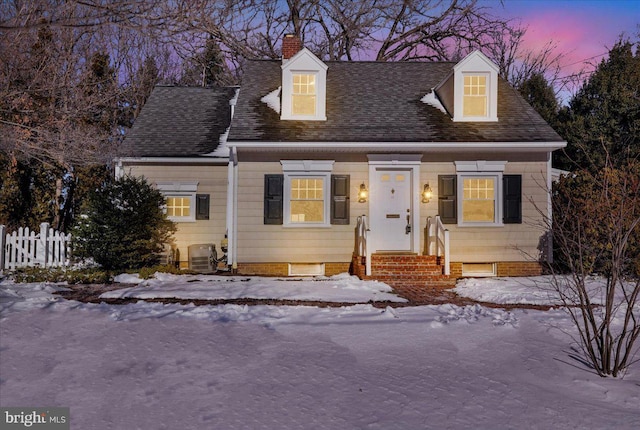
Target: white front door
pixel 391 211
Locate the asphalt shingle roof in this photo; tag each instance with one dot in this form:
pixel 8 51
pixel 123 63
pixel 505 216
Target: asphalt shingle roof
pixel 180 122
pixel 379 102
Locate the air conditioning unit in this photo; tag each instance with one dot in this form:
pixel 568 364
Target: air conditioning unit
pixel 200 258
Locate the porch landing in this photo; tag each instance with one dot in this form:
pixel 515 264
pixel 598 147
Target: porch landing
pixel 408 273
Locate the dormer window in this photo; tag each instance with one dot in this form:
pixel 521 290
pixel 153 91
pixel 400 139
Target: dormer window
pixel 304 87
pixel 475 98
pixel 470 92
pixel 303 96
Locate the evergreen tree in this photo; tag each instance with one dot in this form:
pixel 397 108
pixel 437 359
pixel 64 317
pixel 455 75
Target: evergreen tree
pixel 123 225
pixel 539 94
pixel 604 116
pixel 208 68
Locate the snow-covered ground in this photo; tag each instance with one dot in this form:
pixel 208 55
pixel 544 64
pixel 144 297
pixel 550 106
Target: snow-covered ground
pixel 168 366
pixel 339 288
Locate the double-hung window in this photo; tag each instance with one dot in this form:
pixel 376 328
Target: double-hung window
pixel 303 96
pixel 479 187
pixel 307 199
pixel 307 192
pixel 479 203
pixel 475 96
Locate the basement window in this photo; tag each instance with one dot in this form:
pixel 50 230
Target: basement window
pixel 306 269
pixel 477 270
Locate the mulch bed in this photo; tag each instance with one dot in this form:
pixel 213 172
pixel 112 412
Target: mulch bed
pixel 416 296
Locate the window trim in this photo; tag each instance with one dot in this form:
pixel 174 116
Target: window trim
pixel 307 169
pixel 479 274
pixel 497 199
pixel 192 199
pixel 487 95
pixel 180 189
pixel 288 178
pixel 481 169
pixel 314 95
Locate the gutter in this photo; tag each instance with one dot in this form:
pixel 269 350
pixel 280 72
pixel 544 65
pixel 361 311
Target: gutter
pixel 176 160
pixel 401 146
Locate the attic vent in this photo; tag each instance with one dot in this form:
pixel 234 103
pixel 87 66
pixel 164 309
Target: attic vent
pixel 306 269
pixel 200 258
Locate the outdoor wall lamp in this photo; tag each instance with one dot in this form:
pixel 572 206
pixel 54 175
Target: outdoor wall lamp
pixel 363 193
pixel 427 193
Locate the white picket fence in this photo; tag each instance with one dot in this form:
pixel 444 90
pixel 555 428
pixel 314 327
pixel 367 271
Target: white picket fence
pixel 25 248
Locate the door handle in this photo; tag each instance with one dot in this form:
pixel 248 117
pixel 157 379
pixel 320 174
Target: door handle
pixel 407 229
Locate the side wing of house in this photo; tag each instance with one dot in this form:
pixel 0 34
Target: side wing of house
pixel 178 143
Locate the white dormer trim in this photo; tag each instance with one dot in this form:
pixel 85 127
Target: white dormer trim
pixel 475 64
pixel 304 62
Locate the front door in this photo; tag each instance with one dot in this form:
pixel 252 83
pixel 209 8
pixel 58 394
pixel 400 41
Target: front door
pixel 391 210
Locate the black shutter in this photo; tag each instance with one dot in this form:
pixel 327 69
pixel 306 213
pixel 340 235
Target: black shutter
pixel 202 206
pixel 512 199
pixel 340 199
pixel 273 193
pixel 447 204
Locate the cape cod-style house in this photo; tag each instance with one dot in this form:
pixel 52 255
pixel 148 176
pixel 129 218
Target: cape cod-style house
pixel 405 171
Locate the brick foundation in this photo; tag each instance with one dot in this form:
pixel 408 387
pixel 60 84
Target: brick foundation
pixel 331 269
pixel 282 269
pixel 519 268
pixel 456 270
pixel 263 269
pixel 396 268
pixel 426 271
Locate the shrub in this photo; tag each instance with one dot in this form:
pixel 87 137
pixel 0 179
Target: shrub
pixel 122 225
pixel 148 272
pixel 596 229
pixel 83 276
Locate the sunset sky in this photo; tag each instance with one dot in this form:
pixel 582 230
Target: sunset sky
pixel 583 29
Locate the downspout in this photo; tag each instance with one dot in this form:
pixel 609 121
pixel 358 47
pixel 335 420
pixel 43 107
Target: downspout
pixel 549 233
pixel 235 212
pixel 232 197
pixel 232 200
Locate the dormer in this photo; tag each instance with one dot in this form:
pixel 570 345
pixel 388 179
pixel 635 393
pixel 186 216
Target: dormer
pixel 470 92
pixel 304 87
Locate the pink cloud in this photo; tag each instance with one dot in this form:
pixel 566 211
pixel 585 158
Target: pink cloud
pixel 579 37
pixel 581 30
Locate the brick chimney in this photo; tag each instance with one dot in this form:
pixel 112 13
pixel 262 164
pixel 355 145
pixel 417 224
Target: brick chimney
pixel 290 46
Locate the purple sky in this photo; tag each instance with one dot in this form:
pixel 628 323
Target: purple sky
pixel 584 30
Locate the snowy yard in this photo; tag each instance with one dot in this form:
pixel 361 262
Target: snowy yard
pixel 170 366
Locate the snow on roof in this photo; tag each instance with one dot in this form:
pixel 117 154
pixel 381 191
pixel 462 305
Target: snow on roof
pixel 432 100
pixel 273 99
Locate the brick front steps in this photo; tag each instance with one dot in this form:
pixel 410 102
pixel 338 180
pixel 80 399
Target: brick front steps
pixel 405 270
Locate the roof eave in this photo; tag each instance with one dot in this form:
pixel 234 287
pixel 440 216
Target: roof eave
pixel 173 160
pixel 400 146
